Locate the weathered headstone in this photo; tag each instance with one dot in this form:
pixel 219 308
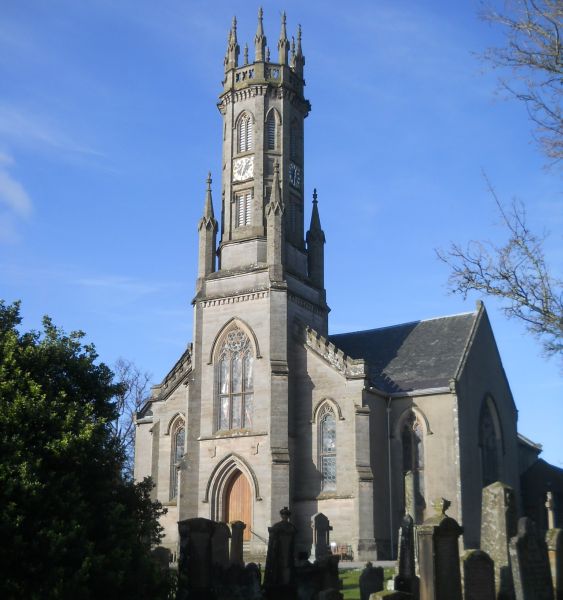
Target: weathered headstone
pixel 195 561
pixel 321 536
pixel 498 525
pixel 438 555
pixel 478 574
pixel 279 576
pixel 406 579
pixel 371 580
pixel 220 545
pixel 554 541
pixel 530 564
pixel 237 533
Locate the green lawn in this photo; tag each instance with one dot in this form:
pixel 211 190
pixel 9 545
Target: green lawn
pixel 351 582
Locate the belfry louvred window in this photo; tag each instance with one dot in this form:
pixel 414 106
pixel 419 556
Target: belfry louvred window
pixel 327 448
pixel 245 133
pixel 235 382
pixel 243 208
pixel 271 132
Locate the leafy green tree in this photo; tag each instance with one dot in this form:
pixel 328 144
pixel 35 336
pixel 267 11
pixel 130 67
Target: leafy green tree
pixel 70 525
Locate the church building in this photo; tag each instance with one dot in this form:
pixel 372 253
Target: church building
pixel 265 408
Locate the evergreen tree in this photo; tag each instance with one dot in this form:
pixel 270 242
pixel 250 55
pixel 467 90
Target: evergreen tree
pixel 70 525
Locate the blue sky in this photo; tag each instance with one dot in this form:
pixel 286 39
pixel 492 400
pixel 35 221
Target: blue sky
pixel 108 126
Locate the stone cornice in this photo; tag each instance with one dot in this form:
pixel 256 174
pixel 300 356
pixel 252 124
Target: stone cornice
pixel 222 300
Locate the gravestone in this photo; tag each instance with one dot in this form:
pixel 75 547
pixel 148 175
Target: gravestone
pixel 237 533
pixel 371 580
pixel 406 579
pixel 321 536
pixel 498 525
pixel 530 564
pixel 279 576
pixel 478 574
pixel 438 555
pixel 220 546
pixel 195 560
pixel 554 541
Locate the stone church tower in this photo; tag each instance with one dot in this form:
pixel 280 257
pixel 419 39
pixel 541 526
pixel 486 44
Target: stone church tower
pixel 264 409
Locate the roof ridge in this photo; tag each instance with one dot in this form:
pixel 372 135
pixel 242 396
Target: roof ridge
pixel 471 312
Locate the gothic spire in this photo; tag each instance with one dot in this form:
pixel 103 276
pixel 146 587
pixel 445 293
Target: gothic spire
pixel 315 227
pixel 292 53
pixel 315 247
pixel 207 228
pixel 299 60
pixel 275 235
pixel 233 49
pixel 259 39
pixel 283 43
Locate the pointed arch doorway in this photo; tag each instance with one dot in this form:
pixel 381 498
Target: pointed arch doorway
pixel 238 502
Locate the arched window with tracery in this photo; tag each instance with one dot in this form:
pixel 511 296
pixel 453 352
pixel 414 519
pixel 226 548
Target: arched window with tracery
pixel 245 133
pixel 235 381
pixel 177 452
pixel 327 448
pixel 490 441
pixel 412 441
pixel 271 131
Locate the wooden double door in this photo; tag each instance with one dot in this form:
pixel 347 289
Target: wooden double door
pixel 238 502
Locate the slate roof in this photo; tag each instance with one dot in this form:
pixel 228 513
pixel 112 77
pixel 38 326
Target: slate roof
pixel 411 356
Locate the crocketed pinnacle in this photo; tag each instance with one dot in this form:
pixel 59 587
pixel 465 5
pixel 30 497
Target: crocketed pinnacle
pixel 275 206
pixel 283 43
pixel 299 59
pixel 233 49
pixel 208 218
pixel 259 39
pixel 315 232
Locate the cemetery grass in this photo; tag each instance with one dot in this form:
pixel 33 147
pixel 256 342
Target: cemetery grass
pixel 351 582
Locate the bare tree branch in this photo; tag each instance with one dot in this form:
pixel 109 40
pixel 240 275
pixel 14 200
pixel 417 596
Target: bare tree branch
pixel 534 54
pixel 134 392
pixel 515 272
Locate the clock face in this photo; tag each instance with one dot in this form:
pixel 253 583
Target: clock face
pixel 243 168
pixel 294 175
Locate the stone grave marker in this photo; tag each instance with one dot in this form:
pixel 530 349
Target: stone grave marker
pixel 498 525
pixel 279 575
pixel 220 545
pixel 371 580
pixel 438 555
pixel 195 560
pixel 478 574
pixel 406 579
pixel 530 563
pixel 321 536
pixel 554 541
pixel 237 533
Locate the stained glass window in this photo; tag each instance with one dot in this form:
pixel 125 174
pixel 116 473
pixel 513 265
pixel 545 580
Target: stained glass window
pixel 178 446
pixel 235 382
pixel 327 448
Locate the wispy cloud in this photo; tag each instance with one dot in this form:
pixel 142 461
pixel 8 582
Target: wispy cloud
pixel 15 203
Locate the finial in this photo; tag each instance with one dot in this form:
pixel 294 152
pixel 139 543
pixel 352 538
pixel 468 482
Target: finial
pixel 299 60
pixel 231 59
pixel 260 14
pixel 267 54
pixel 299 50
pixel 208 181
pixel 208 206
pixel 315 195
pixel 246 54
pixel 292 53
pixel 234 27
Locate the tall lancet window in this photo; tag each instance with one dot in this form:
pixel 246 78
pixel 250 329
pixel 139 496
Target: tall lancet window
pixel 177 452
pixel 235 382
pixel 271 131
pixel 245 133
pixel 412 438
pixel 490 441
pixel 327 448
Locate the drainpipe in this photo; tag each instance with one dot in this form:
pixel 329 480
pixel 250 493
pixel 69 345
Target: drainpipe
pixel 391 532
